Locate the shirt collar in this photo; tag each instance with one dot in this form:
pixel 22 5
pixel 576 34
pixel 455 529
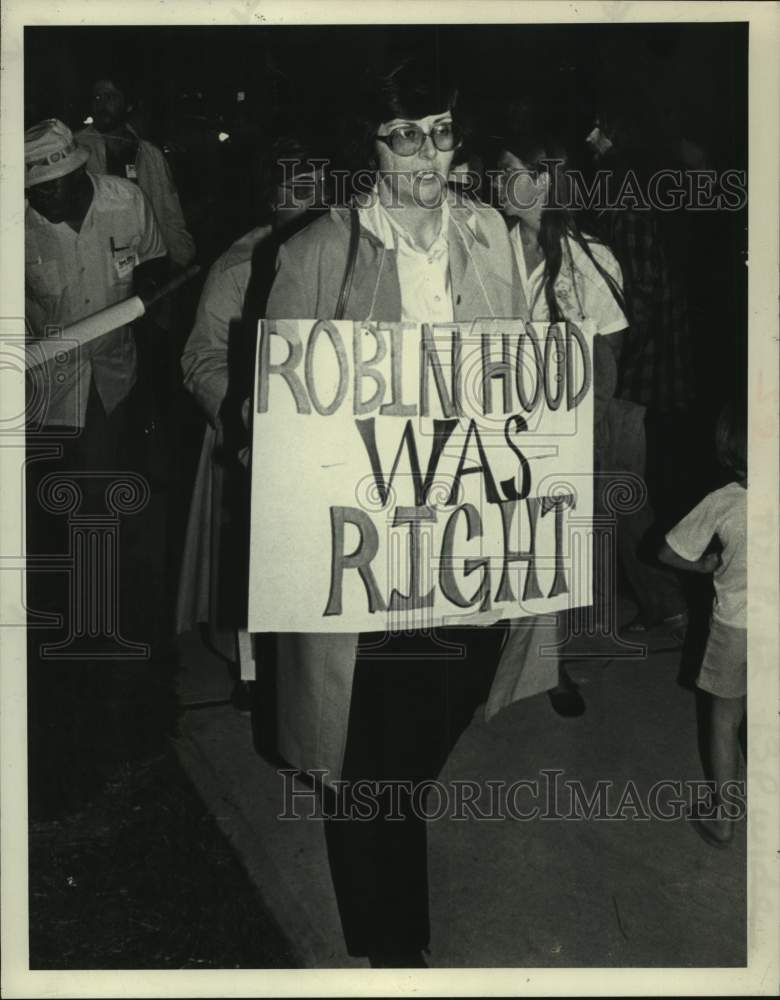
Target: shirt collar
pixel 461 214
pixel 380 223
pixel 92 130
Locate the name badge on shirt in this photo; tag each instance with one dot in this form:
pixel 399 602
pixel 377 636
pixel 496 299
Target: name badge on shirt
pixel 130 172
pixel 124 262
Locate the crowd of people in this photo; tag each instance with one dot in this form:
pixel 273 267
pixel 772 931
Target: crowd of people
pixel 104 222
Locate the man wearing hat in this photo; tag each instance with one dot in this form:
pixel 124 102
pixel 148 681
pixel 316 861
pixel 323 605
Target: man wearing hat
pixel 90 242
pixel 115 148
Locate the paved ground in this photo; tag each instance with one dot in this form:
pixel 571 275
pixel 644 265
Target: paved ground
pixel 109 880
pixel 512 892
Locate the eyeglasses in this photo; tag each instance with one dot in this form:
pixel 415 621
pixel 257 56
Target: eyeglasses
pixel 406 140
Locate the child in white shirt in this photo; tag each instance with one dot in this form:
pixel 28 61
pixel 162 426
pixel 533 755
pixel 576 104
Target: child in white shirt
pixel 723 672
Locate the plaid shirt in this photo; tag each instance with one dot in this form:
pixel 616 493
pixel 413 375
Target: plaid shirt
pixel 656 363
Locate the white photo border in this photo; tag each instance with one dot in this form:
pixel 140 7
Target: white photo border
pixel 760 977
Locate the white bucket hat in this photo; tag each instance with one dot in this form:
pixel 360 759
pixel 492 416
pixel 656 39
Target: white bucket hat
pixel 50 151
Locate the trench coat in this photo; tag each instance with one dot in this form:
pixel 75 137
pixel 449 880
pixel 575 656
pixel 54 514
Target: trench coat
pixel 315 671
pixel 208 567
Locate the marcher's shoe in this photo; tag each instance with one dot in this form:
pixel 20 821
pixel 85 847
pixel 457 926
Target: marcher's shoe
pixel 567 702
pixel 397 959
pixel 705 829
pixel 241 697
pixel 565 697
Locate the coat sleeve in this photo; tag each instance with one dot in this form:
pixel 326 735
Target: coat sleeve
pixel 294 291
pixel 152 244
pixel 204 360
pixel 167 207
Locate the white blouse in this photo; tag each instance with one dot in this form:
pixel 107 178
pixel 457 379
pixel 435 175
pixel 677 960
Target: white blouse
pixel 423 275
pixel 581 292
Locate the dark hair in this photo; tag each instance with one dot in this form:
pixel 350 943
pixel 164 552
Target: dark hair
pixel 271 164
pixel 411 89
pixel 531 139
pixel 637 129
pixel 731 438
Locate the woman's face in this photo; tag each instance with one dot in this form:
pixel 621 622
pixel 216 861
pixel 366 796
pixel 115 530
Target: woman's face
pixel 421 178
pixel 521 190
pixel 296 196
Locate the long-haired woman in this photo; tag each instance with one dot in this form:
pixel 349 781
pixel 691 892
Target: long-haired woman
pixel 569 275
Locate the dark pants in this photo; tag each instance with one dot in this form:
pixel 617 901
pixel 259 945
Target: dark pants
pixel 679 459
pixel 621 448
pixel 96 467
pixel 406 714
pixel 655 588
pixel 97 447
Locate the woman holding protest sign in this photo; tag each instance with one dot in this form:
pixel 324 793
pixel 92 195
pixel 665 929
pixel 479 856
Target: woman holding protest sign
pixel 568 275
pixel 389 708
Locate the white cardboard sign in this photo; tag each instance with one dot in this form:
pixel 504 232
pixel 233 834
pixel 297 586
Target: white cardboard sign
pixel 416 475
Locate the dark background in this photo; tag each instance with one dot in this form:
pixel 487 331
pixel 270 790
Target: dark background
pixel 97 749
pixel 692 75
pixel 672 81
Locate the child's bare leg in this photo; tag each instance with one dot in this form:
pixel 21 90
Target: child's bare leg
pixel 727 715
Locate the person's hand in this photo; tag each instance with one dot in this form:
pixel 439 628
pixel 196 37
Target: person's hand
pixel 245 414
pixel 150 276
pixel 710 562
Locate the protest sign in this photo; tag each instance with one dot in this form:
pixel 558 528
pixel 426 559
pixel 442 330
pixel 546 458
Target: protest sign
pixel 414 475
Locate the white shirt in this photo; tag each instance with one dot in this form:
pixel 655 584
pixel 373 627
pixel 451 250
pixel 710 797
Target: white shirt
pixel 581 292
pixel 722 513
pixel 69 275
pixel 423 275
pixel 153 175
